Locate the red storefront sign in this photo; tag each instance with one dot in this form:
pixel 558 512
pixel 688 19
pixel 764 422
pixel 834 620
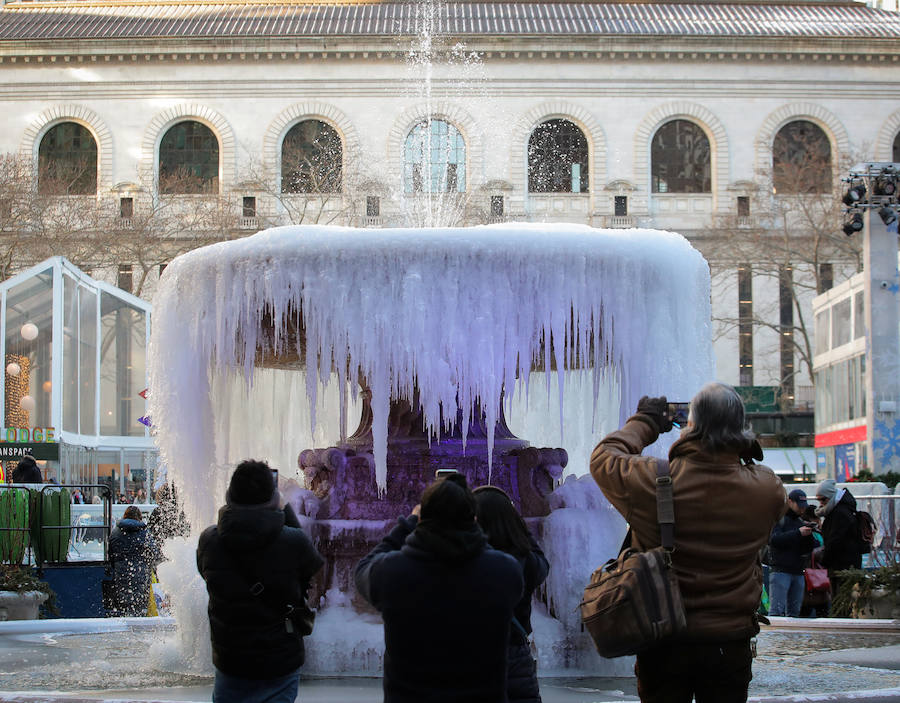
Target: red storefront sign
pixel 848 436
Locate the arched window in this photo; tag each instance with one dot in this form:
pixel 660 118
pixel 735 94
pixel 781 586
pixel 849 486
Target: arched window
pixel 67 161
pixel 188 160
pixel 311 159
pixel 434 159
pixel 896 157
pixel 557 158
pixel 680 159
pixel 801 159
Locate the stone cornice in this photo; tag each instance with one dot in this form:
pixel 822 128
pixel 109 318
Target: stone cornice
pixel 497 49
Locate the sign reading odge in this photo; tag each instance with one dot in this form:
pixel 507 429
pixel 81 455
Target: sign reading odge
pixel 27 434
pixel 40 442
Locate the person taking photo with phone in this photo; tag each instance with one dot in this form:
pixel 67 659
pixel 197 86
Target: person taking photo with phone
pixel 725 507
pixel 447 600
pixel 257 563
pixel 507 531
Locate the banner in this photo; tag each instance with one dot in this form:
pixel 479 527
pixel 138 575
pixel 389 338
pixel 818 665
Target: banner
pixel 39 450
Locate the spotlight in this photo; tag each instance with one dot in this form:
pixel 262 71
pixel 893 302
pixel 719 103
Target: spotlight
pixel 853 225
pixel 887 215
pixel 854 194
pixel 885 184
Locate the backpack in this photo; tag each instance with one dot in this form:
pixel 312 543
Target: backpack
pixel 866 528
pixel 633 601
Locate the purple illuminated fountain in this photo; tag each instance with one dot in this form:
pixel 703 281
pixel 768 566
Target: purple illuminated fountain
pixel 267 346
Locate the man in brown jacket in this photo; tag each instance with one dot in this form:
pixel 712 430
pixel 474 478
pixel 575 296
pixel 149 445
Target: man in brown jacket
pixel 725 507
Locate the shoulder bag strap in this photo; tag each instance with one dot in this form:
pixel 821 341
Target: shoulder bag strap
pixel 665 509
pixel 248 571
pixel 665 505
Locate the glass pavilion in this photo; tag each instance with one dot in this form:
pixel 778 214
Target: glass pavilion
pixel 75 357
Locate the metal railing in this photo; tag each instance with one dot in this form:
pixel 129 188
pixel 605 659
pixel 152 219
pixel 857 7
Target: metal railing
pixel 885 510
pixel 620 221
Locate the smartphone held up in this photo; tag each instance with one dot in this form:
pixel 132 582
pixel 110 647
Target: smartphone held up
pixel 678 413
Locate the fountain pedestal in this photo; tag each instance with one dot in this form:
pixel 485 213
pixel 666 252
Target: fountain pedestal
pixel 350 516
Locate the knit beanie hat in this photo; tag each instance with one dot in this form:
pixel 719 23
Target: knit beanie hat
pixel 827 489
pixel 252 483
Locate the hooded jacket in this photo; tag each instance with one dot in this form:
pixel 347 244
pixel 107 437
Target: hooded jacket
pixel 840 532
pixel 134 554
pixel 27 471
pixel 248 544
pixel 447 601
pixel 724 513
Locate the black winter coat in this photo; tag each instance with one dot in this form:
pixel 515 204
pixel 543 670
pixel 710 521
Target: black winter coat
pixel 522 684
pixel 252 544
pixel 134 555
pixel 27 472
pixel 840 533
pixel 447 601
pixel 788 549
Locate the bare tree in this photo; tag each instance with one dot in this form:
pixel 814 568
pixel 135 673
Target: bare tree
pixel 44 216
pixel 787 228
pixel 52 211
pixel 151 226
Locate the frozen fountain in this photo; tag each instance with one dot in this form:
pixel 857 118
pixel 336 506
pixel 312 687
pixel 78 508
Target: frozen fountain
pixel 260 347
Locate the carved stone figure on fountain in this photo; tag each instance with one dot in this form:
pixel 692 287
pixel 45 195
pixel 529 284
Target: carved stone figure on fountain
pixel 341 481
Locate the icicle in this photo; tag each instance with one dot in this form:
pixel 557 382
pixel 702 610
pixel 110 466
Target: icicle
pixel 381 401
pixel 462 313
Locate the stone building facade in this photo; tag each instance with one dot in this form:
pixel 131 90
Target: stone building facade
pixel 687 117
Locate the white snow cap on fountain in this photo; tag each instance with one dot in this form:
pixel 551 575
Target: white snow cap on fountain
pixel 462 313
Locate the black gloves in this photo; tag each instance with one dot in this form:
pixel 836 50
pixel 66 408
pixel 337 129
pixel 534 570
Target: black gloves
pixel 655 412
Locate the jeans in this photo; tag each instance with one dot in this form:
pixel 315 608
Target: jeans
pixel 786 593
pixel 709 672
pixel 233 689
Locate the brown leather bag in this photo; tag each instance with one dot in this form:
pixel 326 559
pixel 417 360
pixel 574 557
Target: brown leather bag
pixel 633 602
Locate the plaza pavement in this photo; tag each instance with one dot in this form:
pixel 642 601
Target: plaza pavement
pixel 871 663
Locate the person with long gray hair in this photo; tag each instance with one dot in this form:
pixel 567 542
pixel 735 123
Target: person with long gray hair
pixel 725 508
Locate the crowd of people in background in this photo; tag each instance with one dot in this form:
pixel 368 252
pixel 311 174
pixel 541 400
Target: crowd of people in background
pixel 27 470
pixel 808 537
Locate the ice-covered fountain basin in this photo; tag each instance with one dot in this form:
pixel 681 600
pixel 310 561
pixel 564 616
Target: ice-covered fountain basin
pixel 462 314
